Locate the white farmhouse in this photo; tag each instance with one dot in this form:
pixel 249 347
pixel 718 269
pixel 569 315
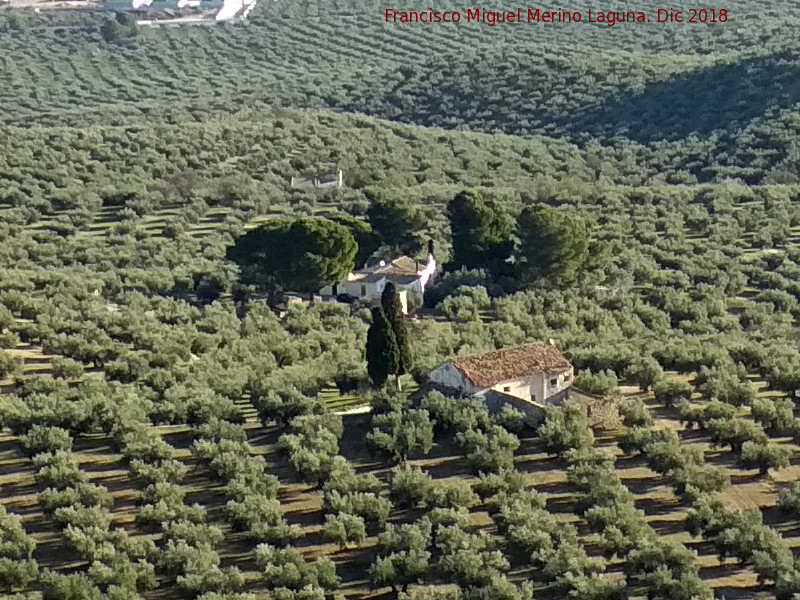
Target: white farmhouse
pixel 528 377
pixel 408 276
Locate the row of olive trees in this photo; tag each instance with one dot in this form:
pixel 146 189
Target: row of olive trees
pixel 741 535
pixel 658 567
pixel 120 564
pixel 252 504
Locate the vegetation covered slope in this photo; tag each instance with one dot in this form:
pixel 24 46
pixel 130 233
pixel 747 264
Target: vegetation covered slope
pixel 156 445
pixel 710 91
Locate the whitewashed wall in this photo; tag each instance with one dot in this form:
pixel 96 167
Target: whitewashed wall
pixel 354 288
pixel 563 381
pixel 448 376
pixel 536 387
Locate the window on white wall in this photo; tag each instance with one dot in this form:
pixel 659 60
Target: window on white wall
pixel 507 388
pixel 554 381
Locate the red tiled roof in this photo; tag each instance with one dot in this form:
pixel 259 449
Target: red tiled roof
pixel 490 369
pixel 401 266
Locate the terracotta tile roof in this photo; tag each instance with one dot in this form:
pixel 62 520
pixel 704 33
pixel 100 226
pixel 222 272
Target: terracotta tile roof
pixel 367 277
pixel 490 369
pixel 400 266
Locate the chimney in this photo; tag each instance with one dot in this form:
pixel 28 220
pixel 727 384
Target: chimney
pixel 430 248
pixel 552 342
pixel 416 266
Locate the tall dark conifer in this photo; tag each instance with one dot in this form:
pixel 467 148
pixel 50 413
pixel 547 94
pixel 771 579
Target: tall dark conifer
pixel 383 356
pixel 393 309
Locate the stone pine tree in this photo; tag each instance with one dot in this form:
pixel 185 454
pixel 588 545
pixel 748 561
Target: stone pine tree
pixel 482 233
pixel 393 309
pixel 553 245
pixel 383 355
pixel 302 255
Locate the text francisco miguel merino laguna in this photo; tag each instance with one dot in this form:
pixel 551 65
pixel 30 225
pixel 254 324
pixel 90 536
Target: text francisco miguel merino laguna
pixel 520 15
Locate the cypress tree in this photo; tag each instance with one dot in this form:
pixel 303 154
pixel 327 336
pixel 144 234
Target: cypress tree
pixel 383 355
pixel 390 301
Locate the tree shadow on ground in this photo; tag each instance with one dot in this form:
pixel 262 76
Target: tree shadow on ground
pixel 641 486
pixel 721 97
pixel 352 565
pixel 210 495
pixel 657 506
pixel 702 546
pixel 54 554
pixel 664 527
pixel 538 462
pixel 118 482
pixel 694 435
pixel 304 517
pixel 452 466
pixel 22 466
pixel 730 569
pixel 664 412
pixel 631 461
pixel 774 516
pixel 567 504
pixel 264 437
pixel 555 488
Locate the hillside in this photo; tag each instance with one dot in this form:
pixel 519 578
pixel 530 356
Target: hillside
pixel 662 91
pixel 165 433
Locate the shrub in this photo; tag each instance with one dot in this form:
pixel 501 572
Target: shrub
pixel 58 470
pixel 726 385
pixel 636 414
pixel 344 479
pixel 565 429
pixel 400 434
pixel 9 365
pixel 452 416
pixel 286 568
pixel 765 456
pixel 410 487
pixel 454 496
pixel 644 372
pixel 490 484
pixel 789 499
pixel 601 383
pixel 510 418
pixel 666 457
pixel 17 574
pixel 699 479
pixel 370 507
pixel 9 340
pixel 68 587
pixel 345 529
pixel 735 432
pixel 774 414
pixel 15 544
pixel 670 393
pixel 193 533
pixel 66 368
pixel 489 452
pixel 46 439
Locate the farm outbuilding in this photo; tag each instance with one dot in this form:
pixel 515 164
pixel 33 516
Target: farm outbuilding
pixel 528 378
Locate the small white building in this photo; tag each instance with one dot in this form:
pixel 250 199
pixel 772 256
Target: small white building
pixel 528 377
pixel 324 180
pixel 408 276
